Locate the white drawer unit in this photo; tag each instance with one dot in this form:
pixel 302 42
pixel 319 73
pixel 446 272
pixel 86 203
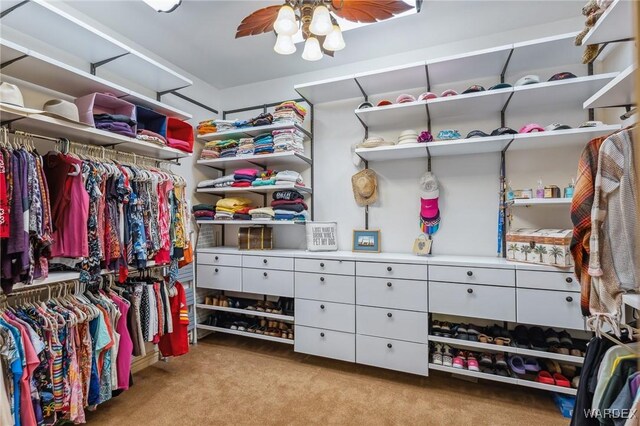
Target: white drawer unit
pixel 475 301
pixel 219 277
pixel 391 324
pixel 326 287
pixel 325 343
pixel 543 280
pixel 392 293
pixel 268 262
pixel 329 315
pixel 550 308
pixel 392 354
pixel 461 274
pixel 219 259
pixel 267 281
pixel 391 270
pixel 341 267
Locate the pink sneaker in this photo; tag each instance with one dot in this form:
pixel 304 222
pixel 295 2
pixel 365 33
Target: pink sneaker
pixel 459 361
pixel 472 363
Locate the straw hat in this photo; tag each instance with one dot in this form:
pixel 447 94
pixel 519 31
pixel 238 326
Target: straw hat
pixel 365 187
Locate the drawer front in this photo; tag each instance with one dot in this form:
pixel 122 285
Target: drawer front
pixel 391 270
pixel 392 293
pixel 219 259
pixel 329 315
pixel 550 308
pixel 219 277
pixel 341 267
pixel 562 281
pixel 329 288
pixel 268 262
pixel 459 274
pixel 325 343
pixel 266 281
pixel 475 301
pixel 392 354
pixel 391 324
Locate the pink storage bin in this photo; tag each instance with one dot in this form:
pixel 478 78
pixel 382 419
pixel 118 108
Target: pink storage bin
pixel 179 134
pixel 101 103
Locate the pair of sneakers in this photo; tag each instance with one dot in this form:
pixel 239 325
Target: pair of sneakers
pixel 442 355
pixel 466 360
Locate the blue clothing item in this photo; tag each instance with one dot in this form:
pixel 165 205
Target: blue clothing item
pixel 94 381
pixel 16 359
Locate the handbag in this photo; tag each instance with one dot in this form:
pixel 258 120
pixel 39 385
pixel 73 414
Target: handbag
pixel 422 245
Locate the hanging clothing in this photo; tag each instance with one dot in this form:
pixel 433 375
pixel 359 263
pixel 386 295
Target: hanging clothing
pixel 177 343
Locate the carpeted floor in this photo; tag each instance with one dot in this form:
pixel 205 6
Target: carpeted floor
pixel 235 380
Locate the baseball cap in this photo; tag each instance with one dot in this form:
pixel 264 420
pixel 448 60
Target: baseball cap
pixel 531 127
pixel 427 95
pixel 503 131
pixel 528 79
pixel 500 86
pixel 556 126
pixel 384 102
pixel 476 134
pixel 562 76
pixel 404 98
pixel 448 92
pixel 474 89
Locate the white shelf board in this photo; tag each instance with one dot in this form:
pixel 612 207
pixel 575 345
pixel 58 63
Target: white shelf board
pixel 618 92
pixel 554 94
pixel 480 104
pixel 246 334
pixel 248 222
pixel 48 126
pixel 394 79
pixel 43 20
pixel 246 312
pixel 250 132
pixel 268 188
pixel 632 300
pixel 329 90
pixel 570 137
pixel 467 66
pixel 616 23
pixel 47 72
pixel 543 53
pixel 410 115
pixel 544 386
pixel 288 158
pixel 523 202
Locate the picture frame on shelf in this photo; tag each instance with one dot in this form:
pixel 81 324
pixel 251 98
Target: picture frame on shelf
pixel 366 241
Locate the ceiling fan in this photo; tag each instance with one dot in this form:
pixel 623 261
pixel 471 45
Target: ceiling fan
pixel 316 20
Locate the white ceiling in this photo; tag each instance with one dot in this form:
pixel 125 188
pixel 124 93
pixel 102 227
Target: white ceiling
pixel 199 36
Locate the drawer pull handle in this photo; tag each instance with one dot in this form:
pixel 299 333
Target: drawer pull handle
pixel 569 280
pixel 389 314
pixel 469 290
pixel 389 345
pixel 389 268
pixel 321 334
pixel 322 265
pixel 469 273
pixel 264 261
pixel 216 258
pixel 389 284
pixel 264 273
pixel 321 306
pixel 569 299
pixel 322 279
pixel 215 270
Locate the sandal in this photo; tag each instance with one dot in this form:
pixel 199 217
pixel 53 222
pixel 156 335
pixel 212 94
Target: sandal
pixel 261 330
pixel 531 364
pixel 483 338
pixel 545 377
pixel 559 350
pixel 561 380
pixel 575 352
pixel 253 328
pixel 553 366
pixel 568 370
pixel 517 364
pixel 502 341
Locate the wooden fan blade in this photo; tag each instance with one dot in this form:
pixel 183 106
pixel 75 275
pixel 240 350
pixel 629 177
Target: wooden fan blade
pixel 368 11
pixel 260 21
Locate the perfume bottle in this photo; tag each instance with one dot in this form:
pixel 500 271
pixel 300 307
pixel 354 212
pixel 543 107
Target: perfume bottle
pixel 540 189
pixel 568 191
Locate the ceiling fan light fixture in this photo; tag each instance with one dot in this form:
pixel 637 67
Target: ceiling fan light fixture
pixel 312 51
pixel 321 21
pixel 334 41
pixel 165 6
pixel 284 45
pixel 285 23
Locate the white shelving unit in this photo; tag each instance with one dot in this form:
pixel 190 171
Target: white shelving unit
pixel 287 318
pixel 522 202
pixel 245 333
pixel 618 92
pixel 249 222
pixel 632 300
pixel 288 158
pixel 268 188
pixel 614 24
pixel 250 132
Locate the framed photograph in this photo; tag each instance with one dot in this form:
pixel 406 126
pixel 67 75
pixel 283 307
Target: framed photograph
pixel 366 241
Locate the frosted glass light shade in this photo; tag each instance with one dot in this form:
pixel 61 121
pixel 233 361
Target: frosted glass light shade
pixel 286 22
pixel 312 51
pixel 334 41
pixel 163 5
pixel 284 45
pixel 321 21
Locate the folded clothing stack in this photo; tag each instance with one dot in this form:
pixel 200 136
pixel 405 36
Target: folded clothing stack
pixel 266 177
pixel 226 208
pixel 263 119
pixel 246 147
pixel 115 123
pixel 149 136
pixel 224 125
pixel 289 112
pixel 289 176
pixel 262 213
pixel 263 144
pixel 288 140
pixel 228 148
pixel 290 209
pixel 210 151
pixel 207 126
pixel 204 211
pixel 220 182
pixel 242 178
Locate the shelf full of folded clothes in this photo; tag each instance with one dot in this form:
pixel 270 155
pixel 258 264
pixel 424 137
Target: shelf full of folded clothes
pixel 254 180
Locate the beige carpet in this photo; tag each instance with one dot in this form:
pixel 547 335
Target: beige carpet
pixel 235 380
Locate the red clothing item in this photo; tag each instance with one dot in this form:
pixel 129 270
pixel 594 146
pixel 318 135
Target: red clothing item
pixel 177 343
pixel 4 199
pixel 241 184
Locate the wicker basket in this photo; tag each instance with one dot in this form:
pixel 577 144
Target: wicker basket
pixel 255 238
